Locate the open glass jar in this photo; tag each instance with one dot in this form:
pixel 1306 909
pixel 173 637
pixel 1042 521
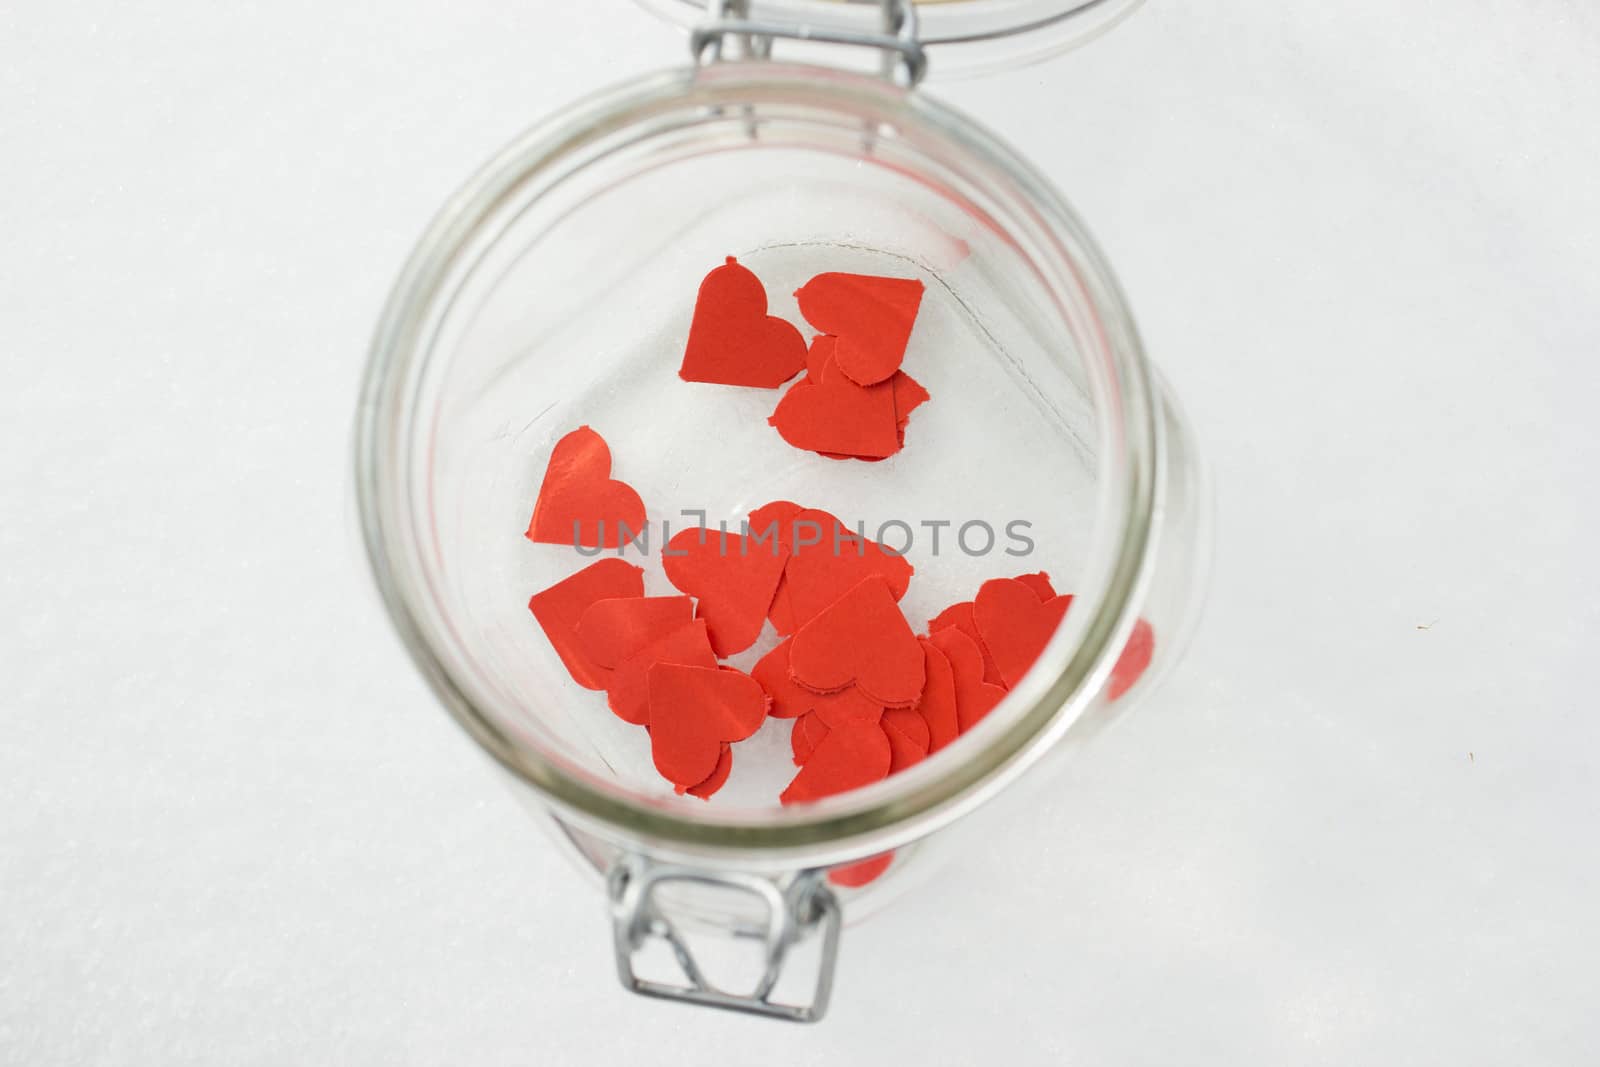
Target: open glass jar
pixel 555 290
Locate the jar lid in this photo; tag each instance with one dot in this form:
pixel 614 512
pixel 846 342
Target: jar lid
pixel 960 36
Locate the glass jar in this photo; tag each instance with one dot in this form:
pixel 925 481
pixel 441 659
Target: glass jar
pixel 554 290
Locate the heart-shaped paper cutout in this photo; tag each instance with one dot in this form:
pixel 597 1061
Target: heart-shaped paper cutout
pixel 694 711
pixel 777 520
pixel 908 396
pixel 808 730
pixel 802 529
pixel 792 700
pixel 819 355
pixel 856 875
pixel 820 364
pixel 908 738
pixel 732 339
pixel 767 523
pixel 938 704
pixel 610 631
pixel 1014 625
pixel 781 613
pixel 975 697
pixel 579 502
pixel 848 707
pixel 871 316
pixel 628 695
pixel 772 520
pixel 560 607
pixel 836 559
pixel 905 390
pixel 910 725
pixel 734 578
pixel 718 778
pixel 1039 582
pixel 959 617
pixel 828 559
pixel 836 415
pixel 818 578
pixel 841 761
pixel 1136 656
pixel 864 640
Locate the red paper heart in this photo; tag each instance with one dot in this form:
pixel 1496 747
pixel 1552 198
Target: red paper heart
pixel 908 738
pixel 808 730
pixel 848 707
pixel 1136 656
pixel 906 392
pixel 801 529
pixel 817 579
pixel 835 415
pixel 835 557
pixel 775 520
pixel 694 711
pixel 732 339
pixel 975 697
pixel 628 695
pixel 820 364
pixel 908 396
pixel 820 354
pixel 871 316
pixel 1039 582
pixel 841 761
pixel 790 699
pixel 734 578
pixel 772 520
pixel 1014 625
pixel 827 560
pixel 781 613
pixel 938 704
pixel 719 777
pixel 959 617
pixel 910 725
pixel 861 639
pixel 856 875
pixel 560 607
pixel 609 631
pixel 579 502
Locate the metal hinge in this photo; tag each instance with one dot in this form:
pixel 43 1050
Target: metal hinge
pixel 897 39
pixel 802 909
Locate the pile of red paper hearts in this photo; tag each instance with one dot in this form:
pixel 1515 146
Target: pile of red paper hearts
pixel 852 735
pixel 657 658
pixel 654 660
pixel 1010 621
pixel 854 401
pixel 868 696
pixel 856 725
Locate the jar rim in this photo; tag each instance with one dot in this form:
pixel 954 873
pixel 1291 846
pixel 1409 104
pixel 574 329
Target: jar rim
pixel 1068 674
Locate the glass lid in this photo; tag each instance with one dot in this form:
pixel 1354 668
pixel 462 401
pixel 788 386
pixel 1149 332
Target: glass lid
pixel 960 36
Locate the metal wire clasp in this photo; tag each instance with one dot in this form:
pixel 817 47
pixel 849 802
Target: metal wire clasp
pixel 897 39
pixel 804 907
